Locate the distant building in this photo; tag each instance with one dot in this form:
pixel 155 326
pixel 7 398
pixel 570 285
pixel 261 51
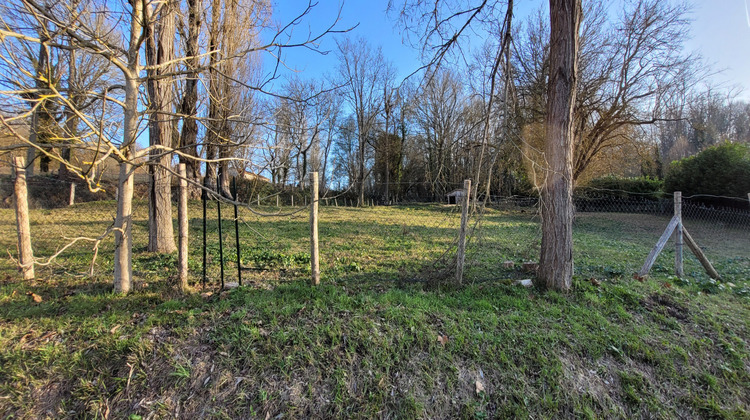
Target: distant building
pixel 456 196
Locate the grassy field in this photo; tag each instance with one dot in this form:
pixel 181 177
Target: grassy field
pixel 381 338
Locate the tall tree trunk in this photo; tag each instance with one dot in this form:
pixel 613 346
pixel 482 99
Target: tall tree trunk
pixel 324 164
pixel 229 46
pixel 189 105
pixel 556 260
pixel 387 105
pixel 71 119
pixel 361 159
pixel 123 270
pixel 160 50
pixel 211 142
pixel 224 176
pixel 36 118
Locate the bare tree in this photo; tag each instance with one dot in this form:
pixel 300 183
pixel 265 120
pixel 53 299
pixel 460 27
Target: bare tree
pixel 629 71
pixel 439 112
pixel 332 102
pixel 119 42
pixel 160 56
pixel 364 71
pixel 556 260
pixel 188 143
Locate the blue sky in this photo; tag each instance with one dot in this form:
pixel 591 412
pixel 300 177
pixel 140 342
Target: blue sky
pixel 721 33
pixel 370 20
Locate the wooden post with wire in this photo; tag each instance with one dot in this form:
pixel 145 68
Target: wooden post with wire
pixel 237 231
pixel 182 215
pixel 314 246
pixel 72 199
pixel 678 235
pixel 461 252
pixel 21 199
pixel 675 225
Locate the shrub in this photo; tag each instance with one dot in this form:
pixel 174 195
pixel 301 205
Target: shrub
pixel 722 170
pixel 614 186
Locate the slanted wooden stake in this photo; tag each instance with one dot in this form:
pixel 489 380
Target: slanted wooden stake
pixel 680 232
pixel 658 247
pixel 700 255
pixel 678 235
pixel 182 215
pixel 461 253
pixel 72 194
pixel 314 250
pixel 26 255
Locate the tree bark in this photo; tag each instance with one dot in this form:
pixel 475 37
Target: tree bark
pixel 189 105
pixel 21 200
pixel 182 257
pixel 160 50
pixel 556 259
pixel 41 72
pixel 123 270
pixel 213 131
pixel 71 119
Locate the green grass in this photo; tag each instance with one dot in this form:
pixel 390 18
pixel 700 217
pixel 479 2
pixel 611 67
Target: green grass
pixel 365 343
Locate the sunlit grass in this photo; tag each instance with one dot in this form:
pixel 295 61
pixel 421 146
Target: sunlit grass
pixel 377 339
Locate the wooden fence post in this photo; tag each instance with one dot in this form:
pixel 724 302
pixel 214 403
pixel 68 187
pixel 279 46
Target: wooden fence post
pixel 182 215
pixel 237 232
pixel 678 235
pixel 314 250
pixel 72 194
pixel 461 253
pixel 26 255
pixel 675 224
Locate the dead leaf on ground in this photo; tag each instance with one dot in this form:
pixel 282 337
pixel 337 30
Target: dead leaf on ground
pixel 25 337
pixel 115 328
pixel 479 387
pixel 442 339
pixel 36 298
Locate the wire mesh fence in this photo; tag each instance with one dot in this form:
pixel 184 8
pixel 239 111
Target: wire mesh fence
pixel 613 233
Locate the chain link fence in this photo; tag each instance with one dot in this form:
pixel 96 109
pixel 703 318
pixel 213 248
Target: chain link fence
pixel 613 233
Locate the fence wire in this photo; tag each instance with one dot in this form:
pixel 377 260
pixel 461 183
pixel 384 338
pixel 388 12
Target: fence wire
pixel 613 233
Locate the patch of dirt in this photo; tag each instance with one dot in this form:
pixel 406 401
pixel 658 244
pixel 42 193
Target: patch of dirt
pixel 666 305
